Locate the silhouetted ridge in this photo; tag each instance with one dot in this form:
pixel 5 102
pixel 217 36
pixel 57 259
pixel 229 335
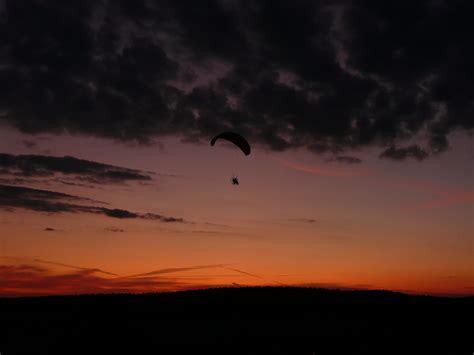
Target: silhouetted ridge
pixel 247 320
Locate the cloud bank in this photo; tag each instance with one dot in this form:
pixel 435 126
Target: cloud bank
pixel 327 76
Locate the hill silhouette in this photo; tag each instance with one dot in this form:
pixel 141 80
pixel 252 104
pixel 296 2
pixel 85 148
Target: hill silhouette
pixel 249 320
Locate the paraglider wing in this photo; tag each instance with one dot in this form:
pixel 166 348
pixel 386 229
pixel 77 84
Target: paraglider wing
pixel 235 138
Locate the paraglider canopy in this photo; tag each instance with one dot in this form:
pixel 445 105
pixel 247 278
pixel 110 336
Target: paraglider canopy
pixel 235 138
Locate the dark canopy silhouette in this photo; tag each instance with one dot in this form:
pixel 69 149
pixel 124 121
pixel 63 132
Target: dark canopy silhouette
pixel 235 138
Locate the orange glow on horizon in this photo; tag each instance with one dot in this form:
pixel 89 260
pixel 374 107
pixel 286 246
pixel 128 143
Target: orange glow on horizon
pixel 334 226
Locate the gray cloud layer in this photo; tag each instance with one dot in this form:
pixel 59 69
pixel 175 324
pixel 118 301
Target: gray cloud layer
pixel 329 76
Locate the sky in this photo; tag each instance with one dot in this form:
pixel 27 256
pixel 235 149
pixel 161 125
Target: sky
pixel 360 120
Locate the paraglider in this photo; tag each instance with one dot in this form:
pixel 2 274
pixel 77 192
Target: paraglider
pixel 239 141
pixel 235 138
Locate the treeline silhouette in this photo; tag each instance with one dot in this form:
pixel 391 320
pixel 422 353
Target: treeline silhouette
pixel 248 320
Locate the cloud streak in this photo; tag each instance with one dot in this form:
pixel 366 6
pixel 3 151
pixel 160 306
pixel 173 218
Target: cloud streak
pixel 180 269
pixel 29 280
pixel 75 267
pixel 412 151
pixel 344 159
pixel 450 199
pixel 443 196
pixel 49 229
pixel 25 278
pixel 114 230
pixel 318 170
pixel 12 197
pixel 74 169
pixel 304 220
pixel 252 275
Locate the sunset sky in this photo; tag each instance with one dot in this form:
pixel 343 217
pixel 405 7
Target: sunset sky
pixel 360 121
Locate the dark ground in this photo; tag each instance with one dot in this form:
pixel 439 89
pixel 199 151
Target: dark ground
pixel 262 320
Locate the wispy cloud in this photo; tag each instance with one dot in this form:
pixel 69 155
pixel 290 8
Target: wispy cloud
pixel 413 151
pixel 27 278
pixel 303 220
pixel 320 170
pixel 450 199
pixel 443 196
pixel 49 229
pixel 178 269
pixel 28 143
pixel 12 197
pixel 253 275
pixel 74 267
pixel 344 159
pixel 41 166
pixel 114 230
pixel 244 272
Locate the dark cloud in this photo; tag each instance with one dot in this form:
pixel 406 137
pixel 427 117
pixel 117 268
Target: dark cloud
pixel 49 229
pixel 118 213
pixel 76 169
pixel 154 216
pixel 328 76
pixel 12 197
pixel 21 181
pixel 29 143
pixel 17 195
pixel 345 160
pixel 412 151
pixel 69 183
pixel 304 220
pixel 170 175
pixel 114 230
